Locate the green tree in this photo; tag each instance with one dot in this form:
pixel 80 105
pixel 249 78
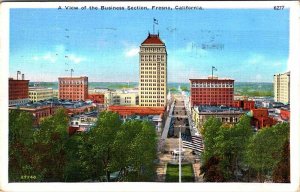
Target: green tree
pixel 231 144
pixel 210 133
pixel 101 140
pixel 227 143
pixel 143 152
pixel 281 173
pixel 265 148
pixel 20 146
pixel 50 151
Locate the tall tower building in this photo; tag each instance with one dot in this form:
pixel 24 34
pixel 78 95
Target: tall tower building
pixel 153 72
pixel 282 87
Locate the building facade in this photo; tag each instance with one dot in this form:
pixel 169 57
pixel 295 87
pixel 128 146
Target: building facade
pixel 38 113
pixel 244 104
pixel 40 93
pixel 73 88
pixel 18 91
pixel 212 91
pixel 153 72
pixel 200 114
pixel 282 87
pixel 125 98
pixel 97 98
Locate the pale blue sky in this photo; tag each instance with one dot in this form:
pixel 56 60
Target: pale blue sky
pixel 103 45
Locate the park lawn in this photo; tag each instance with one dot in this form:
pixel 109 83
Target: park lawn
pixel 187 174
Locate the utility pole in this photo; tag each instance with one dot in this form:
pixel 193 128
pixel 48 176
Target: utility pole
pixel 179 140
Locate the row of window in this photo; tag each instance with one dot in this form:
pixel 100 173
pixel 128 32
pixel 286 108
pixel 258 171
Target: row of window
pixel 150 80
pixel 212 85
pixel 212 93
pixel 69 85
pixel 152 105
pixel 152 101
pixel 153 93
pixel 74 82
pixel 150 96
pixel 157 64
pixel 151 50
pixel 154 59
pixel 41 93
pixel 152 72
pixel 152 68
pixel 152 88
pixel 151 76
pixel 150 84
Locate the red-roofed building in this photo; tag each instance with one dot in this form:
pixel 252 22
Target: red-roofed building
pixel 285 114
pixel 97 98
pixel 136 110
pixel 260 118
pixel 244 104
pixel 153 39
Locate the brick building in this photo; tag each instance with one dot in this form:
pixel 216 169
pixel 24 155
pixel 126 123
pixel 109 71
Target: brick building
pixel 73 88
pixel 212 91
pixel 38 112
pixel 260 118
pixel 136 110
pixel 18 91
pixel 97 98
pixel 244 104
pixel 285 114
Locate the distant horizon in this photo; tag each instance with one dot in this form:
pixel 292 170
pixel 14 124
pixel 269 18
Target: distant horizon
pixel 132 82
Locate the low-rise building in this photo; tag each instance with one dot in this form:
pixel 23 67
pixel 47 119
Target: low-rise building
pixel 40 93
pixel 226 114
pixel 18 91
pixel 38 111
pixel 55 93
pixel 244 104
pixel 153 114
pixel 97 98
pixel 121 97
pixel 260 118
pixel 83 122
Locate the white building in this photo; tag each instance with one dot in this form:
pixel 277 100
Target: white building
pixel 282 87
pixel 121 97
pixel 153 72
pixel 40 93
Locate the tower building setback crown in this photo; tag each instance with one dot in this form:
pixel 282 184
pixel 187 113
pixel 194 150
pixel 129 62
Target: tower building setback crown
pixel 153 39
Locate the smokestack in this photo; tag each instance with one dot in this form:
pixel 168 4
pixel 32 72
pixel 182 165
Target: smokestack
pixel 23 77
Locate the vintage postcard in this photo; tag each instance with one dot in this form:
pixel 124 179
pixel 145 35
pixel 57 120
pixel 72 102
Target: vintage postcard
pixel 150 96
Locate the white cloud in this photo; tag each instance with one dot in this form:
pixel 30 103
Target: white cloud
pixel 76 59
pixel 49 57
pixel 255 59
pixel 132 52
pixel 59 54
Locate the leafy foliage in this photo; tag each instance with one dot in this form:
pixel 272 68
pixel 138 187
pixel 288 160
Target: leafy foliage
pixel 264 150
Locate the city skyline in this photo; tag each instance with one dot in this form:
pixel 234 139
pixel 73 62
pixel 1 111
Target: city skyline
pixel 245 45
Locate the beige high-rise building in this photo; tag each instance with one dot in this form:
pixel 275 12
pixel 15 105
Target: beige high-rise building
pixel 153 72
pixel 282 87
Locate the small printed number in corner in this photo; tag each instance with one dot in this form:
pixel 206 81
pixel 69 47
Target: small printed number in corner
pixel 278 7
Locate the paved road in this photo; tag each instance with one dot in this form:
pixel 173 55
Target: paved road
pixel 180 111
